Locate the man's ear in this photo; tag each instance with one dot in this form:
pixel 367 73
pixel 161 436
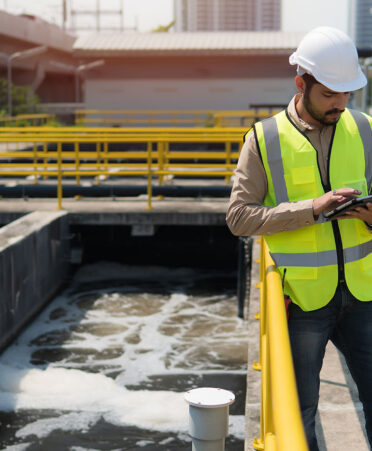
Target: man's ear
pixel 300 84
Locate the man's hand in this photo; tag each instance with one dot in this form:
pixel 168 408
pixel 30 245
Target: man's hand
pixel 363 213
pixel 333 199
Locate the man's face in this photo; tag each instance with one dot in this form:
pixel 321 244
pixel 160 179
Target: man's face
pixel 324 105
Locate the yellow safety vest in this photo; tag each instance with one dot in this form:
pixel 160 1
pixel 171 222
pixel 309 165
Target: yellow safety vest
pixel 312 259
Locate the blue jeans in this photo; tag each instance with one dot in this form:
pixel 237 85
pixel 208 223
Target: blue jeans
pixel 347 322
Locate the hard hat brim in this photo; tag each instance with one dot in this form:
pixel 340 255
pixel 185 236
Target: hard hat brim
pixel 352 85
pixel 346 86
pixel 349 86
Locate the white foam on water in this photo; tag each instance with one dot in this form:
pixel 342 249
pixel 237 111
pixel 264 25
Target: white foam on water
pixel 75 390
pixel 142 443
pixel 19 447
pixel 166 441
pixel 136 335
pixel 69 422
pixel 237 426
pixel 79 448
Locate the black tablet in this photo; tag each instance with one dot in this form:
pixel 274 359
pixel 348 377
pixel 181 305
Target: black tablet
pixel 349 205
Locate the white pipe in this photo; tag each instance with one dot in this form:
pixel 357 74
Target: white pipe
pixel 209 417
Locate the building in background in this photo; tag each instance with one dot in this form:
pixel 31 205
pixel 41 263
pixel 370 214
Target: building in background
pixel 361 24
pixel 227 15
pixel 188 71
pixel 21 33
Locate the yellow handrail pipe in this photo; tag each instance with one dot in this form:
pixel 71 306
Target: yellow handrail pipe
pixel 281 423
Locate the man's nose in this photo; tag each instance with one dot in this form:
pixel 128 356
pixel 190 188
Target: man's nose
pixel 340 101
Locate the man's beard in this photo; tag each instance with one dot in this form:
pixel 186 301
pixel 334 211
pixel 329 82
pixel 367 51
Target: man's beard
pixel 320 117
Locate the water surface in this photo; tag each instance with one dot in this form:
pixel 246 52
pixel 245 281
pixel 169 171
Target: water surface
pixel 106 364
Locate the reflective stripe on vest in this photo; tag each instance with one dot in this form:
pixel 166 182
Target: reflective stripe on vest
pixel 365 132
pixel 325 258
pixel 309 254
pixel 271 136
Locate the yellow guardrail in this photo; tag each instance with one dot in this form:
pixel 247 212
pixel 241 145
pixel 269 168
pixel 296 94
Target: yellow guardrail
pixel 26 119
pixel 242 118
pixel 132 131
pixel 172 118
pixel 281 424
pixel 157 157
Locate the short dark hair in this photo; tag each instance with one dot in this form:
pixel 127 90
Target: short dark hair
pixel 310 81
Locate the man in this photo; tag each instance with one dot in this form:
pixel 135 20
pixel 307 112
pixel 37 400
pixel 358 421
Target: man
pixel 294 167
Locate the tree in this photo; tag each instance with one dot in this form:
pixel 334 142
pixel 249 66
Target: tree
pixel 24 100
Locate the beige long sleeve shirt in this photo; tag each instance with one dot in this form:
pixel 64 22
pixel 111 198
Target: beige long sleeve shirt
pixel 246 214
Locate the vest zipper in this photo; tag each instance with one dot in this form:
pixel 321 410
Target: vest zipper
pixel 326 188
pixel 283 280
pixel 335 227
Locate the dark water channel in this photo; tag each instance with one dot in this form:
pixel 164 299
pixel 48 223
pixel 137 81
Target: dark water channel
pixel 106 364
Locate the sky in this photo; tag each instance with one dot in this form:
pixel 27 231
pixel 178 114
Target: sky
pixel 297 15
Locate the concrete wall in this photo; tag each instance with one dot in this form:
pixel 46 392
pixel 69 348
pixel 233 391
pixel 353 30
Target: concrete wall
pixel 189 82
pixel 187 94
pixel 34 259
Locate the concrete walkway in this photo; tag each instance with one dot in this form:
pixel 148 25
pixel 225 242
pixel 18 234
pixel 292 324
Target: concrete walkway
pixel 124 211
pixel 340 419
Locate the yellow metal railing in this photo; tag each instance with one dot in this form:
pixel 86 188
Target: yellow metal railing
pixel 281 424
pixel 149 118
pixel 26 119
pixel 152 154
pixel 171 118
pixel 242 118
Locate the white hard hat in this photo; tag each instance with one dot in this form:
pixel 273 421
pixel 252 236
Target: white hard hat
pixel 331 57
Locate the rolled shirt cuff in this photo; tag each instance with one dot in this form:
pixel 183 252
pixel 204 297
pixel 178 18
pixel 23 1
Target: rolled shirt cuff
pixel 305 213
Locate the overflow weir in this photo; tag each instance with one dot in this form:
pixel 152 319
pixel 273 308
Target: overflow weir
pixel 182 251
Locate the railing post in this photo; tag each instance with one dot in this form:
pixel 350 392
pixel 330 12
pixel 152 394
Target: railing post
pixel 34 154
pixel 161 146
pixel 209 417
pixel 166 158
pixel 45 153
pixel 77 162
pixel 59 186
pixel 228 160
pixel 98 150
pixel 149 175
pixel 105 158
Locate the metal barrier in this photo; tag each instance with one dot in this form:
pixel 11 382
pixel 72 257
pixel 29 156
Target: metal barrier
pixel 171 118
pixel 26 119
pixel 157 158
pixel 242 118
pixel 281 424
pixel 126 118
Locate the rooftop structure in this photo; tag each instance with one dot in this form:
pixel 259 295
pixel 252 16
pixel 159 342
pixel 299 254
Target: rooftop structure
pixel 231 43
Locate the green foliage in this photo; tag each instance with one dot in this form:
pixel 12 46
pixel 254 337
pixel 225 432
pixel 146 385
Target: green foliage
pixel 163 28
pixel 24 100
pixel 53 122
pixel 209 120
